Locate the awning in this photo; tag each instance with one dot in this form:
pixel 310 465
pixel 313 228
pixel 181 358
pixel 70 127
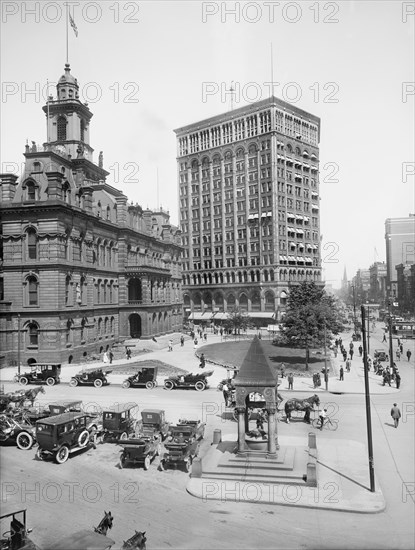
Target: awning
pixel 289 215
pixel 250 217
pixel 291 258
pixel 287 159
pixel 261 315
pixel 199 316
pixel 306 219
pixel 220 316
pixel 314 207
pixel 298 230
pixel 264 215
pixel 283 259
pixel 292 244
pixel 283 294
pixel 298 217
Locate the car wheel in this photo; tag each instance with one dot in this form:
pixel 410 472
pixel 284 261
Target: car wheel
pixel 50 381
pixel 122 461
pixel 200 386
pixel 23 381
pixel 98 383
pixel 235 414
pixel 126 384
pixel 83 438
pixel 124 436
pixel 147 463
pixel 62 455
pixel 24 441
pixel 73 382
pixel 150 385
pixel 168 384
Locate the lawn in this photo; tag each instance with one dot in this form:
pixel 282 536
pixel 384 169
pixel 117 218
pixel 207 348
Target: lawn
pixel 233 353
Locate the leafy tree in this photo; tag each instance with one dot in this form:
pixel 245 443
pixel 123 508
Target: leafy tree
pixel 311 315
pixel 237 320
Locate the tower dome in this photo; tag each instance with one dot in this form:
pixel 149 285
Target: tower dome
pixel 67 87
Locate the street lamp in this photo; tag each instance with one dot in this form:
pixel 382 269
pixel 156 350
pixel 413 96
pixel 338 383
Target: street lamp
pixel 367 398
pixel 18 343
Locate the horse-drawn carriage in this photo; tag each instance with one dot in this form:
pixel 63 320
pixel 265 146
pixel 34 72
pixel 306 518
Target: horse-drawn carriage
pixel 16 537
pixel 64 434
pixel 118 422
pixel 144 378
pixel 183 444
pixel 196 381
pixel 93 377
pixel 17 428
pixel 39 374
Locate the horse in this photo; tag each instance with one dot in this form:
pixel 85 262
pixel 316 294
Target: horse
pixel 136 542
pixel 301 405
pixel 105 524
pixel 30 395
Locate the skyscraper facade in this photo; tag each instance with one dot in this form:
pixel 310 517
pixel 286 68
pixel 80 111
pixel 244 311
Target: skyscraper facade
pixel 249 206
pixel 400 248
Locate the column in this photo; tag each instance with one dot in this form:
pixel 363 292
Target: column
pixel 241 429
pixel 272 446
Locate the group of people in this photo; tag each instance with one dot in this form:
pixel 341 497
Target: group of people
pixel 108 356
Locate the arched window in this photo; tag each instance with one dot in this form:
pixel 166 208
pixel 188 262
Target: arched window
pixel 31 191
pixel 31 244
pixel 33 334
pixel 67 290
pixel 61 125
pixel 33 291
pixel 66 193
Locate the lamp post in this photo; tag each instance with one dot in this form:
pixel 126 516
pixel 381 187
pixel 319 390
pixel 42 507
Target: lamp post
pixel 367 397
pixel 390 335
pixel 354 309
pixel 326 378
pixel 18 343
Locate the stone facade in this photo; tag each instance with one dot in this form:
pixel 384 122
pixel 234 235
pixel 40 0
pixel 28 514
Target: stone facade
pixel 81 267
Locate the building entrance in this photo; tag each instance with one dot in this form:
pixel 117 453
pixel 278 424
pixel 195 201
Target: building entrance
pixel 135 325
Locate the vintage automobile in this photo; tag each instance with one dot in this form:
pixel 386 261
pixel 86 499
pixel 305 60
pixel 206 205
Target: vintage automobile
pixel 197 381
pixel 39 374
pixel 183 444
pixel 144 378
pixel 153 424
pixel 17 428
pixel 118 422
pixel 380 355
pixel 61 435
pixel 140 451
pixel 16 537
pixel 94 377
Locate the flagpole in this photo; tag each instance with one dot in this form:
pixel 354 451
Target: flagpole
pixel 67 39
pixel 47 104
pixel 272 72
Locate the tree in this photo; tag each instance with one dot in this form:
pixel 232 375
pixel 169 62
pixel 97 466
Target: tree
pixel 236 321
pixel 312 315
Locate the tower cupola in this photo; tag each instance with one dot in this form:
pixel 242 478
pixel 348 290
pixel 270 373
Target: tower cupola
pixel 67 86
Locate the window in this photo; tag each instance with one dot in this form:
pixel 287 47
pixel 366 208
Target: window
pixel 33 291
pixel 67 289
pixel 32 244
pixel 31 191
pixel 61 128
pixel 33 332
pixel 82 130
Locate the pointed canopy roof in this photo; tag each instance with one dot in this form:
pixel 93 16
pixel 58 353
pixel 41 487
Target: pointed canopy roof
pixel 255 369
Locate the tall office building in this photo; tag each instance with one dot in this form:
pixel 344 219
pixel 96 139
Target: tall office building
pixel 400 247
pixel 249 209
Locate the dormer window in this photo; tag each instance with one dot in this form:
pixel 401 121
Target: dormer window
pixel 31 191
pixel 61 128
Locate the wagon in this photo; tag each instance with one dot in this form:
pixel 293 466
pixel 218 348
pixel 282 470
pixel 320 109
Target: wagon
pixel 17 429
pixel 39 374
pixel 144 378
pixel 153 423
pixel 61 435
pixel 380 355
pixel 95 377
pixel 183 444
pixel 140 451
pixel 16 537
pixel 118 421
pixel 188 381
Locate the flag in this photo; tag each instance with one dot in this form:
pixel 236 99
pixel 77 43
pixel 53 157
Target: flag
pixel 72 22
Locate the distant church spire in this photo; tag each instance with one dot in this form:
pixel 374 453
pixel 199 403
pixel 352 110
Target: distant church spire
pixel 344 280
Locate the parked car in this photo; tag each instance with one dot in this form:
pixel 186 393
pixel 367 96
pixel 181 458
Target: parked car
pixel 18 429
pixel 144 378
pixel 64 434
pixel 39 374
pixel 380 355
pixel 16 537
pixel 118 422
pixel 194 381
pixel 140 451
pixel 153 424
pixel 183 444
pixel 95 377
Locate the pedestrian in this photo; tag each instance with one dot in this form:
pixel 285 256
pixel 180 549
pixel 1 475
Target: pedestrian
pixel 225 389
pixel 399 342
pixel 111 357
pixel 401 348
pixel 260 423
pixel 202 363
pixel 395 414
pixel 384 337
pixel 290 379
pixel 221 331
pixel 128 353
pixel 195 342
pixel 315 380
pixel 282 370
pixel 398 354
pixel 408 354
pixel 205 336
pixel 335 351
pixel 170 345
pixel 398 380
pixel 360 350
pixel 182 340
pixel 351 346
pixel 344 355
pixel 341 373
pixel 351 352
pixel 386 378
pixel 105 357
pixel 348 363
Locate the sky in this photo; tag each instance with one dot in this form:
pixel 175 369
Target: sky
pixel 147 68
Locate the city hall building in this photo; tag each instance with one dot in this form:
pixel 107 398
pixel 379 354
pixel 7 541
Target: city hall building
pixel 249 206
pixel 81 268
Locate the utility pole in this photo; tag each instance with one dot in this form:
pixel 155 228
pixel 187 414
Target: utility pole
pixel 354 309
pixel 368 415
pixel 390 335
pixel 326 378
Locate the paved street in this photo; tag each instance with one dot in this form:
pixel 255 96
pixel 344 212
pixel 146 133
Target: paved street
pixel 157 502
